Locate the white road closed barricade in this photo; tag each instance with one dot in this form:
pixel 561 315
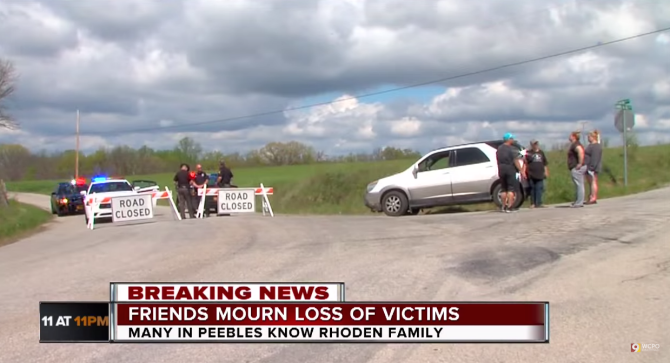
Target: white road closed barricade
pixel 236 200
pixel 132 208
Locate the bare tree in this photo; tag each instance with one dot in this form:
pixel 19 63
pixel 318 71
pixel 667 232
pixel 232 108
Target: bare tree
pixel 189 149
pixel 8 77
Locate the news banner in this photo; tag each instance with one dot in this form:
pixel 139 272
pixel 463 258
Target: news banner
pixel 282 313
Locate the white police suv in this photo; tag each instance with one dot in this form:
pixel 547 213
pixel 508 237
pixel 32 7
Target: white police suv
pixel 98 197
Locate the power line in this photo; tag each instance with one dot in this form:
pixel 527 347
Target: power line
pixel 396 89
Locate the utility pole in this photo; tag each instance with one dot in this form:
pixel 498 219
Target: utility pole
pixel 76 155
pixel 583 127
pixel 624 125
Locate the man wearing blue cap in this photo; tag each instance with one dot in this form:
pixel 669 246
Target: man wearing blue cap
pixel 509 161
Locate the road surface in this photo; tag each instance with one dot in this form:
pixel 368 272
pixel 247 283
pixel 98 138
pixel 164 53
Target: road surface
pixel 605 270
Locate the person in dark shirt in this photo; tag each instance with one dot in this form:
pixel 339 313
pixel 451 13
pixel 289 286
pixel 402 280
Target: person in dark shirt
pixel 593 159
pixel 509 162
pixel 182 181
pixel 577 167
pixel 536 172
pixel 199 181
pixel 225 178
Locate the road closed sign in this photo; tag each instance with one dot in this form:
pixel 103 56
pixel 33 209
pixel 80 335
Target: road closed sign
pixel 236 201
pixel 132 208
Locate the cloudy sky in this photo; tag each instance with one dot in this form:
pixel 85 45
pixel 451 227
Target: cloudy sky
pixel 148 72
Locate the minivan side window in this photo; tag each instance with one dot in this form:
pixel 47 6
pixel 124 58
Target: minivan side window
pixel 470 156
pixel 436 161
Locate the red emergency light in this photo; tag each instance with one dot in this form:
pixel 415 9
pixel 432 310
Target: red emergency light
pixel 79 181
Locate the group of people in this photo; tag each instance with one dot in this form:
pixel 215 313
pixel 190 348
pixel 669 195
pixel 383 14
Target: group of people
pixel 584 163
pixel 188 182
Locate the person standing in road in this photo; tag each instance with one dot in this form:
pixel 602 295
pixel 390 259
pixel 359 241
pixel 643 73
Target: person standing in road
pixel 577 168
pixel 183 181
pixel 509 162
pixel 593 155
pixel 225 178
pixel 537 172
pixel 199 181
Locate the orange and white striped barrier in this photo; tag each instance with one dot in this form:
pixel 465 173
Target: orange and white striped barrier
pixel 167 194
pixel 97 210
pixel 263 192
pixel 214 191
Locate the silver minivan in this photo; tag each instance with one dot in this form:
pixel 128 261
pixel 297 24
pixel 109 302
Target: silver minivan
pixel 455 175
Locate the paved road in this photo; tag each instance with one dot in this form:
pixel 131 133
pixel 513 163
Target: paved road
pixel 605 269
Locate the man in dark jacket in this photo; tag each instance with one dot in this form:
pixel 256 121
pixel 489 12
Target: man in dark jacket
pixel 199 181
pixel 537 170
pixel 182 181
pixel 225 178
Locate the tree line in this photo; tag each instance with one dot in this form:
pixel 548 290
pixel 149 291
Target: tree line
pixel 19 163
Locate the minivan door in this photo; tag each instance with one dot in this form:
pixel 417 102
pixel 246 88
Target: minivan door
pixel 432 185
pixel 472 176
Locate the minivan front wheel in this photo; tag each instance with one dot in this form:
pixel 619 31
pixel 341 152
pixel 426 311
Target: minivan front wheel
pixel 395 204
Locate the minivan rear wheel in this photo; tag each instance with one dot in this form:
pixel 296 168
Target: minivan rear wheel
pixel 395 204
pixel 497 196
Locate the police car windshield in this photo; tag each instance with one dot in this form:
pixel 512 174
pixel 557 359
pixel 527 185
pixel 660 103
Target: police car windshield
pixel 111 187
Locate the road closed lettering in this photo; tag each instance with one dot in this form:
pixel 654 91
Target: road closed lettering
pixel 132 207
pixel 236 201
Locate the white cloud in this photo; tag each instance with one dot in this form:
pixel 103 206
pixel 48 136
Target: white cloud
pixel 407 126
pixel 150 65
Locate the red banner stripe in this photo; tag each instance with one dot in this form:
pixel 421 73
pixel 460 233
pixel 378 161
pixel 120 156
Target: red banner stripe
pixel 329 314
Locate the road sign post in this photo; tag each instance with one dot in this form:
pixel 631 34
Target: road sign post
pixel 624 122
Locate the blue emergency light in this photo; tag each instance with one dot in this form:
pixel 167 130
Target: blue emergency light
pixel 98 179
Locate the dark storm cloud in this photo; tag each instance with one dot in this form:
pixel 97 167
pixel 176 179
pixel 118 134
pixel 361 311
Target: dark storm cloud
pixel 26 34
pixel 137 65
pixel 297 55
pixel 118 20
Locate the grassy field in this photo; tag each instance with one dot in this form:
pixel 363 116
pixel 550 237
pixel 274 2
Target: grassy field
pixel 19 219
pixel 339 188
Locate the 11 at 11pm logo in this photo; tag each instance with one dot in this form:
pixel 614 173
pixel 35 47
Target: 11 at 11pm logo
pixel 638 347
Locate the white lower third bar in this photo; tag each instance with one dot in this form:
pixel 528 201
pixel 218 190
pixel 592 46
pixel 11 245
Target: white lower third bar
pixel 296 334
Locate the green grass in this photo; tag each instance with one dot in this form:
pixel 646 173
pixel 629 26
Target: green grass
pixel 339 188
pixel 19 219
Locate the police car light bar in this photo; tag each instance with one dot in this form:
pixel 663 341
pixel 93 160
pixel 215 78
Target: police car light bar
pixel 99 179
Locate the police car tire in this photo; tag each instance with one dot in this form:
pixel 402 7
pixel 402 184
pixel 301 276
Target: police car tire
pixel 60 212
